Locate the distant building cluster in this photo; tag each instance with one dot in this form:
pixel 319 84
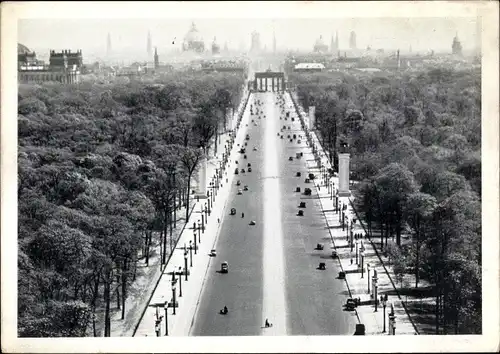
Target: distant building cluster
pixel 64 66
pixel 224 66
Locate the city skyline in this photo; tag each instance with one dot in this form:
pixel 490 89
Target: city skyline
pixel 90 35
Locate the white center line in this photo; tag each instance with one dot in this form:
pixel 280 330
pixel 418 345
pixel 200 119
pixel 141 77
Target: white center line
pixel 274 307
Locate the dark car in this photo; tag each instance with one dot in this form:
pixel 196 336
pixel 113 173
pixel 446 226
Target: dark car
pixel 236 171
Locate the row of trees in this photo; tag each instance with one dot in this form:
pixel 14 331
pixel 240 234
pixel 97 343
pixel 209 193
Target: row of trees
pixel 415 145
pixel 102 170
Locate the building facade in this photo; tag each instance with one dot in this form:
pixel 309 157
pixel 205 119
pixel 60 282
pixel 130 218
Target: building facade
pixel 64 67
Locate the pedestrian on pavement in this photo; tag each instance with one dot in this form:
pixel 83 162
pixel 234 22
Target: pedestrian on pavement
pixel 218 220
pixel 242 215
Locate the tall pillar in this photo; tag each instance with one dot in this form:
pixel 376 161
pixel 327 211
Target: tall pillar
pixel 344 175
pixel 202 178
pixel 278 84
pixel 272 84
pixel 266 84
pixel 312 117
pixel 260 84
pixel 255 84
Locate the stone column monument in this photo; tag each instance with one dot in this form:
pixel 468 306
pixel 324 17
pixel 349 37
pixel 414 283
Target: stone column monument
pixel 202 178
pixel 312 117
pixel 344 171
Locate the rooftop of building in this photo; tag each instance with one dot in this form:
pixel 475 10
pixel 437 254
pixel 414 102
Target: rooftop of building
pixel 304 66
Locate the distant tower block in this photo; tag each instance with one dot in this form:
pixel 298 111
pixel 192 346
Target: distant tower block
pixel 344 175
pixel 312 117
pixel 202 179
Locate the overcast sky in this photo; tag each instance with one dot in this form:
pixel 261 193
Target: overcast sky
pixel 90 34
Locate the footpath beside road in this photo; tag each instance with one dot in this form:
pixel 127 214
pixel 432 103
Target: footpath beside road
pixel 359 267
pixel 187 287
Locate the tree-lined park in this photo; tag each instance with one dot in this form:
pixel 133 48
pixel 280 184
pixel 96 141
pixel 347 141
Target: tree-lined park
pixel 103 169
pixel 415 141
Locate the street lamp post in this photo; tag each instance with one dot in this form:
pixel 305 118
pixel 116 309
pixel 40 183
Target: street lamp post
pixel 383 299
pixel 180 281
pixel 368 277
pixel 375 286
pixel 194 235
pixel 191 252
pixel 206 212
pixel 174 281
pixel 199 228
pixel 362 253
pixel 165 307
pixel 186 264
pixel 357 242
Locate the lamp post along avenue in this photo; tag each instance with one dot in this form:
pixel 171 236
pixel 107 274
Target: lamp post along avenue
pixel 191 252
pixel 174 281
pixel 180 281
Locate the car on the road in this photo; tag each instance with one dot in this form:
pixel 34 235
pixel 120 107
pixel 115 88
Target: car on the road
pixel 233 211
pixel 245 188
pixel 213 253
pixel 238 182
pixel 224 267
pixel 252 222
pixel 247 137
pixel 249 169
pixel 240 192
pixel 242 170
pixel 242 150
pixel 236 171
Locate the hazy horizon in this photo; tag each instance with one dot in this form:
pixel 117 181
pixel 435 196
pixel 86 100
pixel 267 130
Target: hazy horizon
pixel 90 35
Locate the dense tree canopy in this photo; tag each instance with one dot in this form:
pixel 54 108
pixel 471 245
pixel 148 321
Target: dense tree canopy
pixel 102 166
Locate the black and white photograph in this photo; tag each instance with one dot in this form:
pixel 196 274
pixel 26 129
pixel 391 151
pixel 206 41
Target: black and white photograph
pixel 250 176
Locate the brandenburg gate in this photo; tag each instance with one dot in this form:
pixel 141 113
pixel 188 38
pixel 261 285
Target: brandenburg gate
pixel 261 84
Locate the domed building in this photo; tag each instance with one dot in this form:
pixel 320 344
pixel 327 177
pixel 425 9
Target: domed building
pixel 320 46
pixel 193 41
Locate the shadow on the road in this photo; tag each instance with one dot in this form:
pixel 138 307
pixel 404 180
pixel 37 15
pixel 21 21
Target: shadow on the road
pixel 422 292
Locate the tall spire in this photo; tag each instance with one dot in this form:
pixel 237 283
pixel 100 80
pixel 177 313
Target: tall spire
pixel 157 61
pixel 108 44
pixel 149 45
pixel 332 45
pixel 337 40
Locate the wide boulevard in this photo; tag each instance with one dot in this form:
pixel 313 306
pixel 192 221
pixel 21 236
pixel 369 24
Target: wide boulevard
pixel 273 264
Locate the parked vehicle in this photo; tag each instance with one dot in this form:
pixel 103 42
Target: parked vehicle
pixel 224 267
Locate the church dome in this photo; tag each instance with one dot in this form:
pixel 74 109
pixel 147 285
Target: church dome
pixel 22 49
pixel 193 35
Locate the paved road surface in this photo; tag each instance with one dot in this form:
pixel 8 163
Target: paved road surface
pixel 272 265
